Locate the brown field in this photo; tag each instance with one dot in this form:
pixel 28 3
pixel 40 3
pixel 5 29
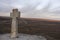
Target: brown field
pixel 33 26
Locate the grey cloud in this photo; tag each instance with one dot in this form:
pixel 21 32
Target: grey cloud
pixel 29 8
pixel 5 6
pixel 29 5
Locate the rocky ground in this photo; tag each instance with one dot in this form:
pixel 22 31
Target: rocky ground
pixel 22 37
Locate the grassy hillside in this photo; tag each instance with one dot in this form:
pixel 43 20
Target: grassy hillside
pixel 32 26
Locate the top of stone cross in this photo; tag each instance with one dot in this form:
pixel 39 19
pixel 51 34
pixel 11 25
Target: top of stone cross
pixel 15 13
pixel 15 10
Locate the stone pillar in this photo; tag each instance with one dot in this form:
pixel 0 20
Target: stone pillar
pixel 15 15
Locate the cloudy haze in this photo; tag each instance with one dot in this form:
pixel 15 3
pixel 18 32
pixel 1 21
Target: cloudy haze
pixel 32 8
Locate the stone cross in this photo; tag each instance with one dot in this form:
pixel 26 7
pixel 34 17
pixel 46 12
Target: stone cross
pixel 15 15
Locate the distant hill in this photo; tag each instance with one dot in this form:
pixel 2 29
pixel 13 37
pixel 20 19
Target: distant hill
pixel 42 24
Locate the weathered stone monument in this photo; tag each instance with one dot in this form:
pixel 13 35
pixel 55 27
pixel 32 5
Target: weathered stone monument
pixel 15 15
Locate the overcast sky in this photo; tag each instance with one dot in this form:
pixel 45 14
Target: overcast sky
pixel 32 8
